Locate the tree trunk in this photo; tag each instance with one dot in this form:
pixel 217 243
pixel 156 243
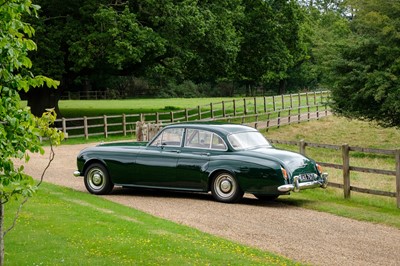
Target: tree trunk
pixel 1 234
pixel 40 99
pixel 282 86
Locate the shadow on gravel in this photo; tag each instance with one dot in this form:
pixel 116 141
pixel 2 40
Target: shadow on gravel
pixel 248 199
pixel 159 193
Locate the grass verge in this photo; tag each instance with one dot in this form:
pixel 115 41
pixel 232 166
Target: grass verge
pixel 60 226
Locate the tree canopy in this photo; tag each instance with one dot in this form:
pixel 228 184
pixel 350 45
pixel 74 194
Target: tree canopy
pixel 217 48
pixel 367 84
pixel 98 44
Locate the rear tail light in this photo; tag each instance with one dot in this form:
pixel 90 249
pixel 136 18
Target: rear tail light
pixel 319 168
pixel 284 173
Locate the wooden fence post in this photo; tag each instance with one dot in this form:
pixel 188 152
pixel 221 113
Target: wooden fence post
pixel 298 115
pixel 268 120
pixel 157 118
pixel 186 114
pixel 234 107
pixel 64 126
pixel 283 101
pixel 105 126
pixel 244 106
pixel 223 109
pixel 346 170
pixel 212 111
pixel 279 119
pixel 315 98
pixel 273 103
pixel 124 124
pixel 398 177
pixel 302 147
pixel 172 116
pixel 199 111
pixel 255 105
pixel 85 127
pixel 265 104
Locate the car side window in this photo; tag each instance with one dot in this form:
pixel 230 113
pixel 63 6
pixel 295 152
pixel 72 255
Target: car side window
pixel 218 143
pixel 198 138
pixel 169 137
pixel 203 139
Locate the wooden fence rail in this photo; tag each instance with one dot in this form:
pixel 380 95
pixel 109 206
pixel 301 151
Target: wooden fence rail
pixel 246 110
pixel 347 168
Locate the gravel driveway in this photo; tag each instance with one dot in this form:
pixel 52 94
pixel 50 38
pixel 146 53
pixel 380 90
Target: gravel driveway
pixel 302 235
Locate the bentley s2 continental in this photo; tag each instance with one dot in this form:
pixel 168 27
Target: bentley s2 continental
pixel 226 159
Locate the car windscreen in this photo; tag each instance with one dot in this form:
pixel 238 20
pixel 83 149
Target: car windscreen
pixel 248 140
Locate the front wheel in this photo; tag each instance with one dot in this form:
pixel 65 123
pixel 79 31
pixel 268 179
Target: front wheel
pixel 225 188
pixel 97 180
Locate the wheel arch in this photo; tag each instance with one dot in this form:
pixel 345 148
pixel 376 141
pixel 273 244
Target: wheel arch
pixel 92 161
pixel 215 172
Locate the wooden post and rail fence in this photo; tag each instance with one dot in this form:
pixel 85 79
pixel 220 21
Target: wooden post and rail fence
pixel 261 112
pixel 347 168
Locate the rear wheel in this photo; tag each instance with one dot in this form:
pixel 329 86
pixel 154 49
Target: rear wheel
pixel 225 188
pixel 266 197
pixel 97 180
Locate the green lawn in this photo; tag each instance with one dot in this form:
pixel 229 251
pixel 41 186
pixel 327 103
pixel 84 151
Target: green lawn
pixel 79 108
pixel 59 226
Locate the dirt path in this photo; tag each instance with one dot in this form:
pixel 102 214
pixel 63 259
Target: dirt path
pixel 303 235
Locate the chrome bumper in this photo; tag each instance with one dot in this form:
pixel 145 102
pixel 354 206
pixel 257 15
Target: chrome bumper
pixel 297 186
pixel 77 173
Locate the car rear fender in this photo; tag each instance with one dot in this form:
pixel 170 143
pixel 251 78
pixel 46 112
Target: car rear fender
pixel 248 174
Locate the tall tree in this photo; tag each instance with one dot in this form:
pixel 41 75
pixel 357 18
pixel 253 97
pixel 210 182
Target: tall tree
pixel 271 41
pixel 368 69
pixel 19 129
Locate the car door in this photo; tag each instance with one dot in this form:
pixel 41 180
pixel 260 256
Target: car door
pixel 156 165
pixel 194 157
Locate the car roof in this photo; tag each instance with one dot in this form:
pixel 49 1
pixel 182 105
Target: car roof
pixel 223 128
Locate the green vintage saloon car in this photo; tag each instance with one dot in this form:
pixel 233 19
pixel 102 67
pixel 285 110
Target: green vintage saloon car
pixel 226 159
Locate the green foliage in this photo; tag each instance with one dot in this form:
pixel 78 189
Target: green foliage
pixel 19 129
pixel 271 42
pixel 367 84
pixel 91 44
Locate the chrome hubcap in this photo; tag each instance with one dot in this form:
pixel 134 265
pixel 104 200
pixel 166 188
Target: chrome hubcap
pixel 226 186
pixel 96 179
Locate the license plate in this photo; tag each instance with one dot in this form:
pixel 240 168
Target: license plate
pixel 307 177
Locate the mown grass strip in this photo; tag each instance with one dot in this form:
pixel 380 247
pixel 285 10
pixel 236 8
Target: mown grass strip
pixel 59 226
